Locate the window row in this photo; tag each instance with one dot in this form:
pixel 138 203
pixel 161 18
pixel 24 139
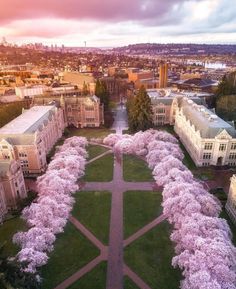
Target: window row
pixel 222 147
pixel 207 156
pixel 22 155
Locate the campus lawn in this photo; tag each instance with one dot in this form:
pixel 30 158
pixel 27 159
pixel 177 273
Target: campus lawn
pixel 54 148
pixel 92 209
pixel 129 284
pixel 230 223
pixel 100 170
pixel 71 252
pixel 168 128
pixel 187 161
pixel 204 174
pixel 89 132
pixel 95 150
pixel 7 230
pixel 140 208
pixel 135 170
pixel 95 279
pixel 150 257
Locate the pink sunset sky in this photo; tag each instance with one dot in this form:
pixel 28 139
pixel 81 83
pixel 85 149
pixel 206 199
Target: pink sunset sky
pixel 117 22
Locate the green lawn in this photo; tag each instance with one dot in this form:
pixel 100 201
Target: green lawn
pixel 95 279
pixel 231 224
pixel 140 208
pixel 92 209
pixel 71 252
pixel 54 148
pixel 150 257
pixel 129 284
pixel 7 230
pixel 187 161
pixel 89 132
pixel 135 170
pixel 100 170
pixel 168 128
pixel 95 150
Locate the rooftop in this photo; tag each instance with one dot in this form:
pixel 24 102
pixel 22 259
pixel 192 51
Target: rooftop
pixel 171 93
pixel 204 120
pixel 29 121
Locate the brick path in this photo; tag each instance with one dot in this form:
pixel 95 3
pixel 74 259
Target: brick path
pixel 113 253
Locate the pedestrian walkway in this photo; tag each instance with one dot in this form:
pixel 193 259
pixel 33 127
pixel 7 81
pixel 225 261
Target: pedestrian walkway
pixel 114 252
pixel 116 268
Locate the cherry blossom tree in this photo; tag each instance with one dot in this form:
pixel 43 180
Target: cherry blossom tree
pixel 49 214
pixel 203 241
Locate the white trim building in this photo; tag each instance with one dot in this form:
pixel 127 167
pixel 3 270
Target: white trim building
pixel 29 137
pixel 209 139
pixel 231 201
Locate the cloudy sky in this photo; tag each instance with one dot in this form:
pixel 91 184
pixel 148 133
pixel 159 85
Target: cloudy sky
pixel 117 22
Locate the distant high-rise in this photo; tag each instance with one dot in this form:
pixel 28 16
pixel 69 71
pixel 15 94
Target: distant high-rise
pixel 163 75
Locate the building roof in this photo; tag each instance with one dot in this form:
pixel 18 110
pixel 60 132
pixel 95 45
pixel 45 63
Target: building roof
pixel 204 120
pixel 198 82
pixel 23 139
pixel 28 122
pixel 166 96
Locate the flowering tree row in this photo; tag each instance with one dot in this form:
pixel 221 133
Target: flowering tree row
pixel 204 250
pixel 48 215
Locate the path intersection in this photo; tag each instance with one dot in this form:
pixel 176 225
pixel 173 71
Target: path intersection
pixel 113 253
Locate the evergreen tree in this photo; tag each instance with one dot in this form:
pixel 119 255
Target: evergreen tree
pixel 227 86
pixel 102 92
pixel 140 111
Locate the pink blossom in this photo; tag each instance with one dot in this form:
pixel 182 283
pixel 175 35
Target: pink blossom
pixel 112 139
pixel 49 214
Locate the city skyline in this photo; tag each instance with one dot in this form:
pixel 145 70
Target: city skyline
pixel 117 23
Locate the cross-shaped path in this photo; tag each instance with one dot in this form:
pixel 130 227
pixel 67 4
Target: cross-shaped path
pixel 113 253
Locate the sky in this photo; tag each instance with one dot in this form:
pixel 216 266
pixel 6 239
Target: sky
pixel 109 23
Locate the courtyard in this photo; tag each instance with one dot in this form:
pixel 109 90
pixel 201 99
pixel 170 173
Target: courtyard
pixel 117 235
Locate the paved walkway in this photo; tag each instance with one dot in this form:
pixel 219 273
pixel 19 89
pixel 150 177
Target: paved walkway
pixel 120 122
pixel 114 252
pixel 99 156
pixel 144 230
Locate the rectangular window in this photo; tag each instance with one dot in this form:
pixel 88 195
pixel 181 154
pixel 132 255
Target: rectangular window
pixel 222 147
pixel 232 156
pixel 160 110
pixel 233 146
pixel 207 156
pixel 90 119
pixel 208 146
pixel 89 108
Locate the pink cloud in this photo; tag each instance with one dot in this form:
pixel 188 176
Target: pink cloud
pixel 113 10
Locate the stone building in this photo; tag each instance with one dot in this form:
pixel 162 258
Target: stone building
pixel 3 205
pixel 79 111
pixel 209 139
pixel 29 137
pixel 165 102
pixel 12 186
pixel 231 201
